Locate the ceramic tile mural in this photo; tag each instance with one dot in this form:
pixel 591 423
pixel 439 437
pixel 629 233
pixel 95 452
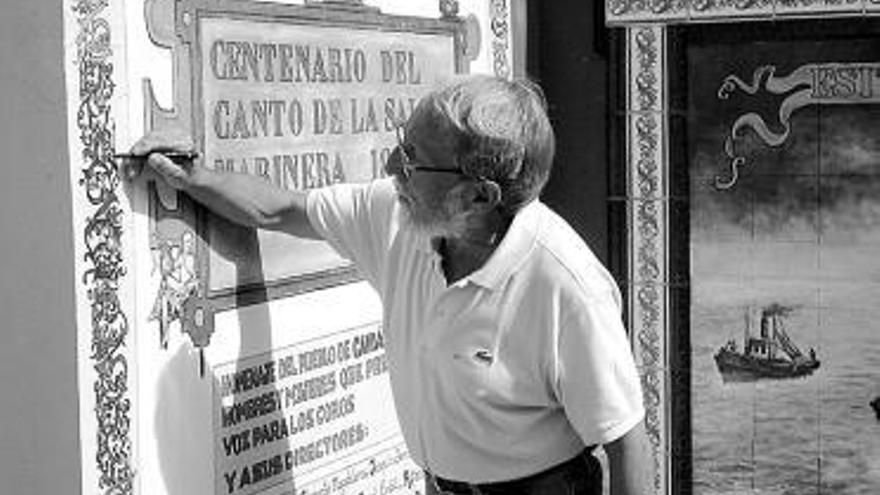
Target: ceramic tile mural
pixel 784 163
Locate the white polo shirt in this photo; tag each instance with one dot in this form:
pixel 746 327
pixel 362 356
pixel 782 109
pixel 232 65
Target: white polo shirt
pixel 508 371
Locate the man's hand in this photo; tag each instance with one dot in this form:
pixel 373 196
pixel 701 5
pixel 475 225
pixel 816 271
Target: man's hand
pixel 179 174
pixel 244 199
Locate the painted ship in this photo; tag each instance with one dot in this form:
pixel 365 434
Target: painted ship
pixel 768 352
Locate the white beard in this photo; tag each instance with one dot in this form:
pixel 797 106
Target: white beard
pixel 443 224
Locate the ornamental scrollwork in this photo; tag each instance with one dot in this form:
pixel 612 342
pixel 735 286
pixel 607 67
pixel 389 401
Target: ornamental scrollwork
pixel 500 27
pixel 825 83
pixel 646 79
pixel 449 8
pixel 102 238
pixel 618 7
pixel 646 114
pixel 638 12
pixel 659 6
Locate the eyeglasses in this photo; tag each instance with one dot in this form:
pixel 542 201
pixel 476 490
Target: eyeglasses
pixel 408 164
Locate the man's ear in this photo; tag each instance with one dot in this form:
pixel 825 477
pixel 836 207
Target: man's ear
pixel 474 196
pixel 487 194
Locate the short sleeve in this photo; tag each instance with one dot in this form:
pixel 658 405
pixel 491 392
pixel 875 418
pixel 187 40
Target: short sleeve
pixel 355 219
pixel 597 380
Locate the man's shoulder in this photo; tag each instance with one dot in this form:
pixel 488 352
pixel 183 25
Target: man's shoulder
pixel 564 260
pixel 381 193
pixel 375 194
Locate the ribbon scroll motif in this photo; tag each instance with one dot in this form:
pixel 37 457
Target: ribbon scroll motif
pixel 811 84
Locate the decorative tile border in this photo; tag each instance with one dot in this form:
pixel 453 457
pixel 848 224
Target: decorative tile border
pixel 678 11
pixel 646 10
pixel 647 199
pixel 796 7
pixel 734 9
pixel 499 15
pixel 102 240
pixel 645 71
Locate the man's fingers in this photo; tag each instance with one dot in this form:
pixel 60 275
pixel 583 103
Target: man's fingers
pixel 148 145
pixel 175 174
pixel 162 164
pixel 149 149
pixel 168 140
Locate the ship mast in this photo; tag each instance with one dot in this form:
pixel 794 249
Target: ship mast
pixel 772 342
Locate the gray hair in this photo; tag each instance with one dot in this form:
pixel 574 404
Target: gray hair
pixel 502 131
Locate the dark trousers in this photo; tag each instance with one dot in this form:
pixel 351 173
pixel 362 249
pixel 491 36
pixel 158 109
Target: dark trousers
pixel 579 476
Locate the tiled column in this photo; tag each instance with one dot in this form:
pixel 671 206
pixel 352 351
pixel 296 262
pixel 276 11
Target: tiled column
pixel 94 51
pixel 647 207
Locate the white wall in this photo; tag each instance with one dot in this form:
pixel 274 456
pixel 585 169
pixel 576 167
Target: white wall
pixel 39 452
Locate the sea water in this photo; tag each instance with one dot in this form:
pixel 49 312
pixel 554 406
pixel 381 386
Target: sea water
pixel 810 435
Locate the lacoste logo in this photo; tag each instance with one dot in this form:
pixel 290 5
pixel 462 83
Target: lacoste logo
pixel 484 356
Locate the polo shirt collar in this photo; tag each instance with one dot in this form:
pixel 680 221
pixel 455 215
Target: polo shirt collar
pixel 517 243
pixel 519 240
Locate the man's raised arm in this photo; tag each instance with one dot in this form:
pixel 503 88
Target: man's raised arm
pixel 244 199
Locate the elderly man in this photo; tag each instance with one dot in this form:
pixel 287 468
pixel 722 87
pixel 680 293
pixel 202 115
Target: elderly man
pixel 508 360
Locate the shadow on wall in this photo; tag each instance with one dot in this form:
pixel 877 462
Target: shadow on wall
pixel 185 411
pixel 181 434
